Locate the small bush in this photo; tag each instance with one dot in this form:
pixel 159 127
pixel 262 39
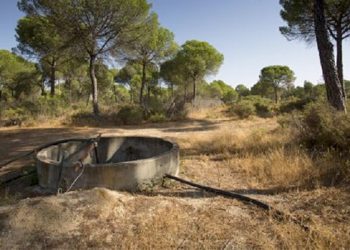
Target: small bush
pixel 243 109
pixel 42 107
pixel 157 118
pixel 230 97
pixel 322 127
pixel 47 106
pixel 256 105
pixel 179 111
pixel 14 113
pixel 84 119
pixel 155 106
pixel 130 115
pixel 289 120
pixel 294 105
pixel 263 110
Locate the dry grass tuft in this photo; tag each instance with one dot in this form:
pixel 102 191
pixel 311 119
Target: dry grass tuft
pixel 207 113
pixel 267 158
pixel 280 167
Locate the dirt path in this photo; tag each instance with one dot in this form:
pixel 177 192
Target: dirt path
pixel 15 141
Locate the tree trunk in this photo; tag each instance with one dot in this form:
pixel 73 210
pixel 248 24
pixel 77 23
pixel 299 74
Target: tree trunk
pixel 143 83
pixel 115 93
pixel 276 94
pixel 325 49
pixel 94 85
pixel 53 77
pixel 42 88
pixel 69 86
pixel 194 89
pixel 131 95
pixel 172 90
pixel 339 42
pixel 148 93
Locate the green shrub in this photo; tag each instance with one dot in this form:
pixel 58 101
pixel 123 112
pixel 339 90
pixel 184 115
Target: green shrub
pixel 157 118
pixel 243 109
pixel 179 111
pixel 84 118
pixel 263 109
pixel 230 97
pixel 253 105
pixel 155 106
pixel 14 113
pixel 322 127
pixel 44 106
pixel 80 107
pixel 294 105
pixel 130 115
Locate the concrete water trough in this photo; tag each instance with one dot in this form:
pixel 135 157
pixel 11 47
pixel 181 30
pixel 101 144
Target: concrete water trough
pixel 119 163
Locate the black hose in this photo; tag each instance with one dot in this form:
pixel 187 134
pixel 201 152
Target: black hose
pixel 277 214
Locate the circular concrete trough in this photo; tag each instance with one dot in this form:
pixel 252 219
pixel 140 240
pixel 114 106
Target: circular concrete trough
pixel 119 163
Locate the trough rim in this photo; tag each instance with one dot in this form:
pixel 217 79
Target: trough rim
pixel 175 147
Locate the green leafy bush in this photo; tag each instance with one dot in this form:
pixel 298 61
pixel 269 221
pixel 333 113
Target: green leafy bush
pixel 263 110
pixel 294 105
pixel 322 127
pixel 264 107
pixel 130 115
pixel 84 118
pixel 230 97
pixel 14 113
pixel 253 105
pixel 45 106
pixel 243 109
pixel 289 120
pixel 156 105
pixel 157 118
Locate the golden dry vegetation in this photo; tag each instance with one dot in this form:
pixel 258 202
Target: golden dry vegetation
pixel 255 157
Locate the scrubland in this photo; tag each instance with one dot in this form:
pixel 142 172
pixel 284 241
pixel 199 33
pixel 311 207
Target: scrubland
pixel 255 156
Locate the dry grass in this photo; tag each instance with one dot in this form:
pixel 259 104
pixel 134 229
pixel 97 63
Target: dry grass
pixel 269 162
pixel 101 218
pixel 207 113
pixel 268 158
pixel 250 156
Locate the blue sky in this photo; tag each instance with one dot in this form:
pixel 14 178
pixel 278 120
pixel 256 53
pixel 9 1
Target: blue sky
pixel 245 31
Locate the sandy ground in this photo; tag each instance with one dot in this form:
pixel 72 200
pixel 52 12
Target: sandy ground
pixel 167 217
pixel 16 141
